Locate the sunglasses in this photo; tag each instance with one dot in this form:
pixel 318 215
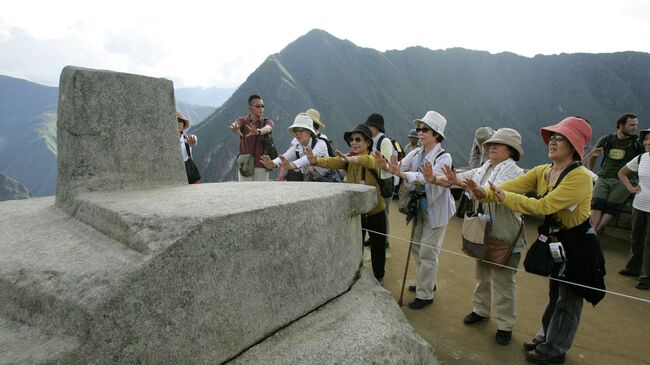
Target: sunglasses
pixel 423 130
pixel 557 138
pixel 355 139
pixel 259 106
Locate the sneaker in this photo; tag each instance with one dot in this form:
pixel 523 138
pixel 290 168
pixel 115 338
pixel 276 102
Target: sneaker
pixel 537 357
pixel 474 318
pixel 628 272
pixel 642 285
pixel 503 337
pixel 531 345
pixel 420 303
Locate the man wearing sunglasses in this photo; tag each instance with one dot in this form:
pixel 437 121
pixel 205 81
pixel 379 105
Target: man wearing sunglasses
pixel 250 128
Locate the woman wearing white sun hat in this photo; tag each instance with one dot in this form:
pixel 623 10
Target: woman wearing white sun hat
pixel 436 203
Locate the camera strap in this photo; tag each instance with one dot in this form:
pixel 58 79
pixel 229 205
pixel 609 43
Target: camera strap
pixel 548 219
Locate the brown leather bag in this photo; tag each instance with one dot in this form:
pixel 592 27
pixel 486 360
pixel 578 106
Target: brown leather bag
pixel 498 252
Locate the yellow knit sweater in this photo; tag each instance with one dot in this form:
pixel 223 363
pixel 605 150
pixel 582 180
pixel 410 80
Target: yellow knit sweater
pixel 355 174
pixel 569 203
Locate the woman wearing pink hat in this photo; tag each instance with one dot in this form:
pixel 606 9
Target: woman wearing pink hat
pixel 564 190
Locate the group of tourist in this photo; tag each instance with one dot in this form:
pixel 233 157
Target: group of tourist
pixel 561 191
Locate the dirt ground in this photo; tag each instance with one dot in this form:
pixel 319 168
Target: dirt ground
pixel 616 331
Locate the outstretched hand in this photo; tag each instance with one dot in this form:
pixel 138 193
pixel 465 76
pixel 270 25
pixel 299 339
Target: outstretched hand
pixel 286 163
pixel 476 189
pixel 381 163
pixel 342 156
pixel 267 162
pixel 235 128
pixel 498 192
pixel 451 176
pixel 427 172
pixel 310 156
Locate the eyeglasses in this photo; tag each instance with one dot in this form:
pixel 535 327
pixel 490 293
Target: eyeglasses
pixel 259 106
pixel 355 139
pixel 423 130
pixel 557 138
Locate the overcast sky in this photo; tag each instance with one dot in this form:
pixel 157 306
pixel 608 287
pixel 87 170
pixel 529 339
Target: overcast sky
pixel 202 43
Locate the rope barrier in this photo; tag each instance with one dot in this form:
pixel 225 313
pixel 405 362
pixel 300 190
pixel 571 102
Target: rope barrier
pixel 510 268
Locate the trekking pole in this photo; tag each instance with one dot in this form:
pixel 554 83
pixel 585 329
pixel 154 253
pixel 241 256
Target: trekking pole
pixel 408 257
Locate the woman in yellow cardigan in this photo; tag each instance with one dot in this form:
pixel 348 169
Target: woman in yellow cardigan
pixel 362 169
pixel 566 206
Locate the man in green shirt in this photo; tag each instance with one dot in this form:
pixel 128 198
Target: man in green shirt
pixel 617 150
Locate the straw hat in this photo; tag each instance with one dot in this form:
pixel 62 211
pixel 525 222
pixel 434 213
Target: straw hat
pixel 315 117
pixel 181 118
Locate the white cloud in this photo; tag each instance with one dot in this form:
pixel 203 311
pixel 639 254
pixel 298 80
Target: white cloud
pixel 198 43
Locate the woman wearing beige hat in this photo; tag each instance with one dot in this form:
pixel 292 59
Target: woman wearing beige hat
pixel 564 190
pixel 294 159
pixel 436 205
pixel 495 284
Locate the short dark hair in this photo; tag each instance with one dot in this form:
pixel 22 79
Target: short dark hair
pixel 514 154
pixel 253 97
pixel 439 138
pixel 623 119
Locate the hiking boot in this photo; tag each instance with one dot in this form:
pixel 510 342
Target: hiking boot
pixel 628 272
pixel 642 285
pixel 420 303
pixel 503 337
pixel 531 345
pixel 473 318
pixel 537 357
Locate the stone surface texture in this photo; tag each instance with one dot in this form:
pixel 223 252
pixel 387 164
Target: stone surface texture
pixel 362 326
pixel 182 275
pixel 115 131
pixel 130 265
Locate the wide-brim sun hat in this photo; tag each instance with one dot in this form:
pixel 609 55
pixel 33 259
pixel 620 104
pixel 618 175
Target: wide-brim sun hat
pixel 642 134
pixel 181 118
pixel 361 128
pixel 434 120
pixel 507 136
pixel 575 129
pixel 302 120
pixel 315 117
pixel 413 133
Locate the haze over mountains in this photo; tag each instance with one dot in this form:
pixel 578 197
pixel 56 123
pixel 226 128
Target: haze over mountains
pixel 470 88
pixel 346 83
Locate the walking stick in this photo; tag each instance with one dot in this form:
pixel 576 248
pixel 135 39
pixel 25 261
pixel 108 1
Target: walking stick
pixel 408 257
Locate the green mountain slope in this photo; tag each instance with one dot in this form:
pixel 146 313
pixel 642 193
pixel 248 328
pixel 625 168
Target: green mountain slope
pixel 11 189
pixel 346 83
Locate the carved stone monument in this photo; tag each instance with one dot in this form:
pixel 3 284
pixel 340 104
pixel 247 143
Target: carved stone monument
pixel 134 266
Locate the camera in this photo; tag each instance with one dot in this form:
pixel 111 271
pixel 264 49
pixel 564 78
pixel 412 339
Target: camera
pixel 557 252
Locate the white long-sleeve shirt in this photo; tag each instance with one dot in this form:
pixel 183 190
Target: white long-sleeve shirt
pixel 300 159
pixel 440 202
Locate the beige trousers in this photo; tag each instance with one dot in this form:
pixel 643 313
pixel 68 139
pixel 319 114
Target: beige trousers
pixel 426 255
pixel 498 287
